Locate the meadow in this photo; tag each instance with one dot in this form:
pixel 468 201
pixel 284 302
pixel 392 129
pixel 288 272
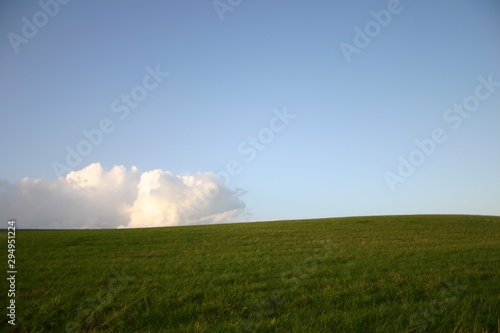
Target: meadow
pixel 420 273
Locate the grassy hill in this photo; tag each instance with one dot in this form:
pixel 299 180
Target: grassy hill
pixel 360 274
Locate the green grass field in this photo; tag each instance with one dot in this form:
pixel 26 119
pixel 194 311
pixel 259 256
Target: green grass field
pixel 360 274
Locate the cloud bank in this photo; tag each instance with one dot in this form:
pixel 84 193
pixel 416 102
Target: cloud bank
pixel 120 198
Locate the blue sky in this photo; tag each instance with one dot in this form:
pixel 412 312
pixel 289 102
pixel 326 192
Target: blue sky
pixel 353 117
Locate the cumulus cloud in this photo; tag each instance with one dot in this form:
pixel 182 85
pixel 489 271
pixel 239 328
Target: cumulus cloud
pixel 120 198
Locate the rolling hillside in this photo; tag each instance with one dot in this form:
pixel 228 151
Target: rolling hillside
pixel 360 274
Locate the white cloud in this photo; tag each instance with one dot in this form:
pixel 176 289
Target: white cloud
pixel 95 198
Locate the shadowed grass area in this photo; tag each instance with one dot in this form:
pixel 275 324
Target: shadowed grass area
pixel 361 274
